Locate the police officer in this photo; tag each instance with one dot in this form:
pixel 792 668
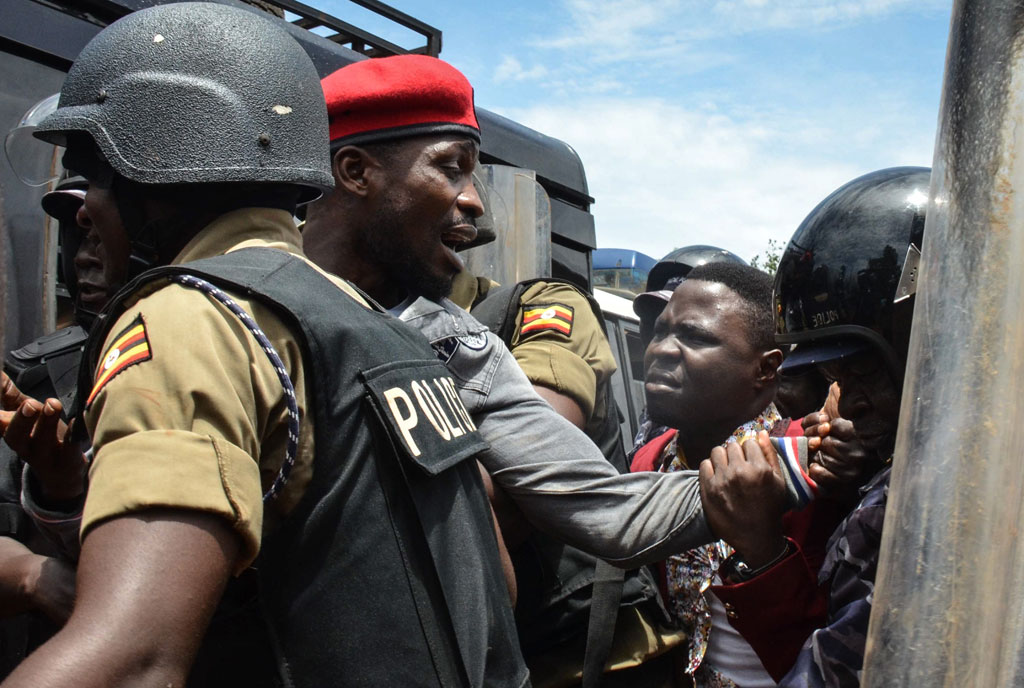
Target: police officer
pixel 405 140
pixel 554 326
pixel 47 369
pixel 199 128
pixel 41 377
pixel 847 306
pixel 568 600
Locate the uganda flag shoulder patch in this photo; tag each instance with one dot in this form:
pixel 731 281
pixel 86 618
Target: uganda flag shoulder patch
pixel 555 317
pixel 128 348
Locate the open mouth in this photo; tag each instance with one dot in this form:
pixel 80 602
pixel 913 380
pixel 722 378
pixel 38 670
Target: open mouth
pixel 456 235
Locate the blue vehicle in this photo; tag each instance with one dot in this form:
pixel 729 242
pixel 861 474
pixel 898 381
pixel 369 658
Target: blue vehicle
pixel 621 271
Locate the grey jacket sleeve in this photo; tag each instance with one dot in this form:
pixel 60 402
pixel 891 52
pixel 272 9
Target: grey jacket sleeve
pixel 567 488
pixel 556 475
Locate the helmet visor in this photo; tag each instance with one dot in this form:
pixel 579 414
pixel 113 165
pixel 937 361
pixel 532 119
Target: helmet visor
pixel 62 204
pixel 814 353
pixel 35 162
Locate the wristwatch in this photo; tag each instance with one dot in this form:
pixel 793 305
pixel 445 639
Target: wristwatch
pixel 738 570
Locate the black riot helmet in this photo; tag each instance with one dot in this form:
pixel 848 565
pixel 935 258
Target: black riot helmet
pixel 198 93
pixel 847 279
pixel 667 274
pixel 199 96
pixel 679 262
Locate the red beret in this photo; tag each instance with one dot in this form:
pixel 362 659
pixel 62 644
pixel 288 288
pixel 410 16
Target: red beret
pixel 394 97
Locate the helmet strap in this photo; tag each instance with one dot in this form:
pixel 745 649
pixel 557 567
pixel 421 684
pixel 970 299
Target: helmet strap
pixel 143 240
pixel 154 241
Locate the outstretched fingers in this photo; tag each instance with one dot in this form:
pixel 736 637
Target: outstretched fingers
pixel 11 397
pixel 18 434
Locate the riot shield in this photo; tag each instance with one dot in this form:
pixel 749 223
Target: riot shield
pixel 949 596
pixel 519 210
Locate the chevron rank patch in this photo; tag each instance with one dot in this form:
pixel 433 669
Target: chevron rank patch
pixel 554 317
pixel 129 347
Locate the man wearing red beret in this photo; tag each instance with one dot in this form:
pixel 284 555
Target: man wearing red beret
pixel 404 140
pixel 404 143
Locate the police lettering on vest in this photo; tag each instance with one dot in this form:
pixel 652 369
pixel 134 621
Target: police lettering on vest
pixel 423 413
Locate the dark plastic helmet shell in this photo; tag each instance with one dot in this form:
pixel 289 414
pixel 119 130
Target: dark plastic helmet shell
pixel 195 93
pixel 680 261
pixel 838 276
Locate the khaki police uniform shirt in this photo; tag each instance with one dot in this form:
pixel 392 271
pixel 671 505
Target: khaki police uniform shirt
pixel 575 364
pixel 468 290
pixel 202 423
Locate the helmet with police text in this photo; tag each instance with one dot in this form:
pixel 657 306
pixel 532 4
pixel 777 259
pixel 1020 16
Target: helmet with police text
pixel 198 93
pixel 846 281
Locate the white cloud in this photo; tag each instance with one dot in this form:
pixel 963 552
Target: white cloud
pixel 673 158
pixel 511 69
pixel 665 175
pixel 747 15
pixel 616 25
pixel 624 30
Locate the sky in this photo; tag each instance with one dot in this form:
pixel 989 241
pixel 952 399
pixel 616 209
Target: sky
pixel 718 122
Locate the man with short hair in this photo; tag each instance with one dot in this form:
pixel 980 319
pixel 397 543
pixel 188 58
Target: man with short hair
pixel 200 127
pixel 664 277
pixel 711 375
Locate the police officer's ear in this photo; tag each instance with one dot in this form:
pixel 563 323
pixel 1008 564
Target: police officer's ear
pixel 355 169
pixel 768 367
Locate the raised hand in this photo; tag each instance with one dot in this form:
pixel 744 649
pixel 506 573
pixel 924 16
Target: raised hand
pixel 839 463
pixel 744 497
pixel 37 434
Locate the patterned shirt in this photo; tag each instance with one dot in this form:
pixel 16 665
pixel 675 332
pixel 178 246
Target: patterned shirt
pixel 690 574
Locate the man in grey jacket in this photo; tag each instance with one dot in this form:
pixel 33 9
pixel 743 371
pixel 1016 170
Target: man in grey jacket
pixel 404 142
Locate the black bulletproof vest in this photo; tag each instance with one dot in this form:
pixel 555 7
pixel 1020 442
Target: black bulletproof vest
pixel 386 573
pixel 554 580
